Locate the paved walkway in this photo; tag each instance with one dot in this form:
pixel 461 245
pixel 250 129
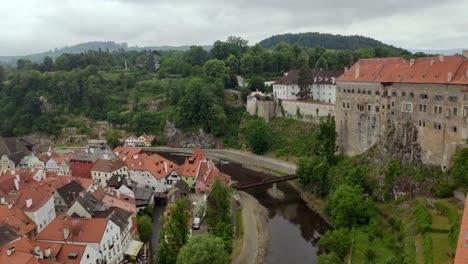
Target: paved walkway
pixel 250 246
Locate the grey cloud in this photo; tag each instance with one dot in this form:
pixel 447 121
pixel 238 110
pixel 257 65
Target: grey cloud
pixel 41 25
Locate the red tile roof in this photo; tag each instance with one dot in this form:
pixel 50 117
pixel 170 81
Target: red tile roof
pixel 80 229
pixel 191 165
pixel 15 218
pixel 423 70
pixel 106 165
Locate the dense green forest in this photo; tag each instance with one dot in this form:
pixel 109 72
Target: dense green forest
pixel 185 87
pixel 326 40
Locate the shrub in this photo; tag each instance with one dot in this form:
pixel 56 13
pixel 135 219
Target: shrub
pixel 428 249
pixel 423 217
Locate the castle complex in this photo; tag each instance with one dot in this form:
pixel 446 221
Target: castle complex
pixel 430 94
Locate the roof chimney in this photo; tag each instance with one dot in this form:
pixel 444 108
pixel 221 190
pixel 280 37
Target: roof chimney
pixel 66 232
pixel 135 156
pixel 465 53
pixel 36 249
pixel 432 61
pixel 411 62
pixel 467 73
pixel 3 200
pixel 10 205
pixel 441 57
pixel 449 76
pixel 28 202
pixel 356 73
pixel 10 251
pixel 17 184
pixel 47 252
pixel 345 69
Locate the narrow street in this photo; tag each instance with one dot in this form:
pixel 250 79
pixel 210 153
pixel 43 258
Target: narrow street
pixel 158 210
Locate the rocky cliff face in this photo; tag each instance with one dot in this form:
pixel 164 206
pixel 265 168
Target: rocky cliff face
pixel 177 138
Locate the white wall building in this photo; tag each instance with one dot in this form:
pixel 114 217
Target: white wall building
pixel 323 89
pixel 101 234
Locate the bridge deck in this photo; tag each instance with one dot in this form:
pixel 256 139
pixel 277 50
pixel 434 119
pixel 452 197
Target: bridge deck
pixel 266 181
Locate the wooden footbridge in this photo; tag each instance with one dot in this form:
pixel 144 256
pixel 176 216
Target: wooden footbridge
pixel 266 181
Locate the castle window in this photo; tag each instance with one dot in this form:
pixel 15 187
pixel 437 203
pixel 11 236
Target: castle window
pixel 411 94
pixel 435 109
pixel 424 96
pixel 393 104
pixel 369 92
pixel 377 92
pixel 439 97
pixel 369 108
pixel 394 93
pixel 359 91
pixel 403 93
pixel 440 110
pixel 424 123
pixel 452 98
pixel 420 108
pixel 420 123
pixel 377 108
pixel 407 107
pixel 454 129
pixel 454 111
pixel 424 108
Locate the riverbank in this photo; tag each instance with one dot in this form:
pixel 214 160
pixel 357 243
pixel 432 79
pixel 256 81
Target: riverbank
pixel 261 164
pixel 256 231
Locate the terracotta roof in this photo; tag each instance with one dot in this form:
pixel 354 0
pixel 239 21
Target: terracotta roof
pixel 113 199
pixel 17 257
pixel 60 158
pixel 126 151
pixel 58 251
pixel 320 77
pixel 191 165
pixel 15 218
pixel 148 138
pixel 106 165
pixel 435 70
pixel 8 234
pixel 80 229
pixel 461 256
pixel 63 254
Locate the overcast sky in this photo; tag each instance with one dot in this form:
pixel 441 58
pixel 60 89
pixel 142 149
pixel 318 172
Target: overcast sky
pixel 29 26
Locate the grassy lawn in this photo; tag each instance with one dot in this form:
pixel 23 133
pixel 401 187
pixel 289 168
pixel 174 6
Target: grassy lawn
pixel 378 245
pixel 440 248
pixel 439 222
pixel 238 241
pixel 419 249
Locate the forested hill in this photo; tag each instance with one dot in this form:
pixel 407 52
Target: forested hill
pixel 75 49
pixel 325 40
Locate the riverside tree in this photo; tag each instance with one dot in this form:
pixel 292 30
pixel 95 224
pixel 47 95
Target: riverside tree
pixel 203 249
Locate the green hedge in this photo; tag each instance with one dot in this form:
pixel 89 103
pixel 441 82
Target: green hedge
pixel 454 219
pixel 423 217
pixel 428 249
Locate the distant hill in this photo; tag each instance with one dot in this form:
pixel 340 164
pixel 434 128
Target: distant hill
pixel 328 41
pixel 82 47
pixel 94 45
pixel 439 51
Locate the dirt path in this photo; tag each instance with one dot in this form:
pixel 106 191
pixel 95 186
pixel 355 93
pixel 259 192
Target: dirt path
pixel 255 233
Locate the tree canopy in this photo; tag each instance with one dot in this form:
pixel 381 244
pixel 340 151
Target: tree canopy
pixel 203 249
